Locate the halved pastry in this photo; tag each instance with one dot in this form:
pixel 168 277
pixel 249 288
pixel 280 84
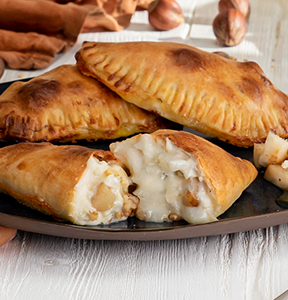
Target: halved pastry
pixel 65 105
pixel 207 92
pixel 179 175
pixel 78 184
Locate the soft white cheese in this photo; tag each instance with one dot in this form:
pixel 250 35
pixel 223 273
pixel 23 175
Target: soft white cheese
pixel 284 164
pixel 164 174
pixel 97 172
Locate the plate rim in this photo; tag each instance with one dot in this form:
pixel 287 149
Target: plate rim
pixel 183 231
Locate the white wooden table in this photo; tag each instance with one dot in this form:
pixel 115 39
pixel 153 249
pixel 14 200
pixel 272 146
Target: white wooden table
pixel 249 265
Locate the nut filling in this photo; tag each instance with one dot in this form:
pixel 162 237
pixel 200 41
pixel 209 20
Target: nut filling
pixel 168 182
pixel 102 194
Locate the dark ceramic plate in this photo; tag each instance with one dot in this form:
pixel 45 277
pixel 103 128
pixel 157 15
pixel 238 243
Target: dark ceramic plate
pixel 256 208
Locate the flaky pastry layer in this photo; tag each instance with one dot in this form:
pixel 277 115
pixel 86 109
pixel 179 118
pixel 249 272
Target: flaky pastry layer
pixel 74 183
pixel 65 105
pixel 220 97
pixel 179 175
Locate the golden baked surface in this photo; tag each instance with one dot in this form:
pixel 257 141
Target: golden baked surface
pixel 231 100
pixel 180 175
pixel 227 176
pixel 48 178
pixel 65 105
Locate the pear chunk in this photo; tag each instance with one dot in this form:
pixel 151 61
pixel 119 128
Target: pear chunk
pixel 277 175
pixel 274 151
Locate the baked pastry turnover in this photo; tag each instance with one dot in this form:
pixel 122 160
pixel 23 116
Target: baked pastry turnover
pixel 64 105
pixel 179 175
pixel 211 94
pixel 74 183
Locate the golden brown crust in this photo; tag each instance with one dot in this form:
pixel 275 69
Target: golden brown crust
pixel 31 201
pixel 39 174
pixel 226 175
pixel 231 100
pixel 65 105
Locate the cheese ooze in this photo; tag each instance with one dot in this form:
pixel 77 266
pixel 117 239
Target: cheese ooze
pixel 95 175
pixel 167 178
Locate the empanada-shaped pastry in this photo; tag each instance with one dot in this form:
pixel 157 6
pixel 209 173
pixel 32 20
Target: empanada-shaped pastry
pixel 231 100
pixel 65 105
pixel 180 175
pixel 79 184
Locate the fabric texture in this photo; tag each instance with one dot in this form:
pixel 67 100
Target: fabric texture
pixel 32 32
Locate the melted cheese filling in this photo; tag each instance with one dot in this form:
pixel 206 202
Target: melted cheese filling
pixel 99 194
pixel 170 185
